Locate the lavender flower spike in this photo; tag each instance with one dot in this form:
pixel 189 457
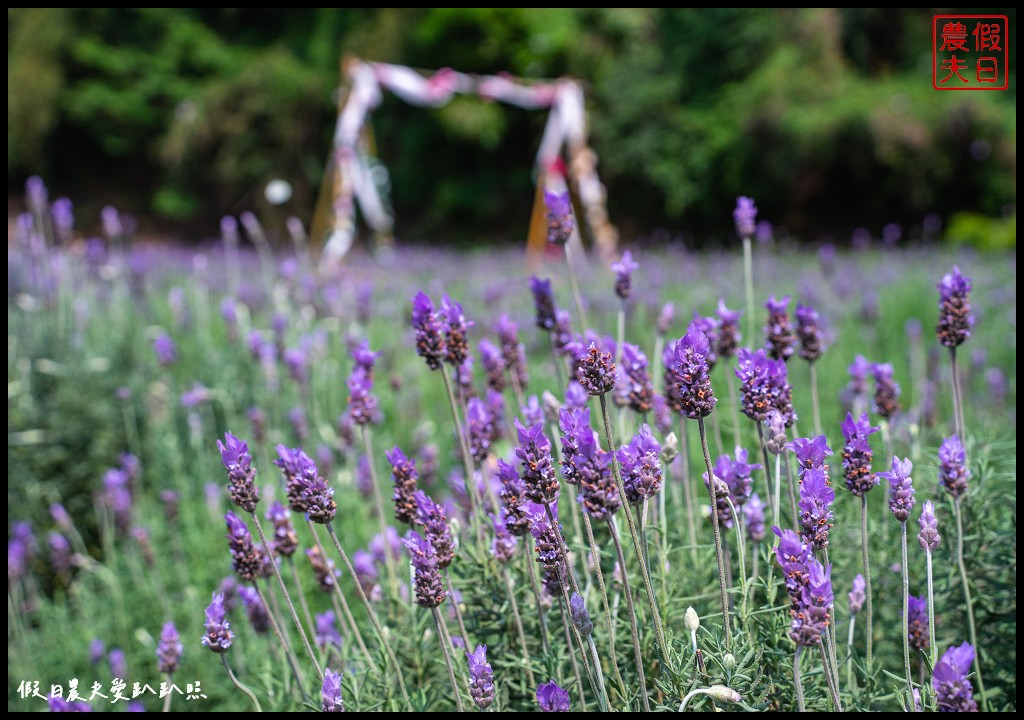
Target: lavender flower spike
pixel 331 692
pixel 235 456
pixel 753 513
pixel 534 451
pixel 429 340
pixel 552 698
pixel 544 303
pixel 955 319
pixel 929 537
pixel 728 331
pixel 404 477
pixel 917 623
pixel 218 634
pixel 435 527
pixel 481 677
pixel 857 455
pixel 810 453
pixel 953 472
pixel 808 331
pixel 579 615
pixel 559 217
pixel 778 331
pixel 247 560
pixel 596 371
pixel 901 499
pixel 857 595
pixel 816 499
pixel 624 270
pixel 427 583
pixel 887 392
pixel 689 372
pixel 745 216
pixel 456 329
pixel 513 495
pixel 953 691
pixel 169 649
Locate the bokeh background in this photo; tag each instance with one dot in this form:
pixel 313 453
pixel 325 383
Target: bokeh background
pixel 827 117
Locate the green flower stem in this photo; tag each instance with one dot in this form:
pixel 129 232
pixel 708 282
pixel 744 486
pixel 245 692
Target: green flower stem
pixel 310 626
pixel 248 693
pixel 442 638
pixel 170 695
pixel 378 502
pixel 748 283
pixel 285 646
pixel 339 597
pixel 634 630
pixel 467 458
pixel 374 620
pixel 531 572
pixel 830 681
pixel 849 652
pixel 519 625
pixel 455 607
pixel 596 554
pixel 814 399
pixel 717 531
pixel 616 471
pixel 906 618
pixel 867 574
pixel 967 600
pixel 933 641
pixel 581 314
pixel 684 451
pixel 767 473
pixel 566 625
pixel 797 684
pixel 287 598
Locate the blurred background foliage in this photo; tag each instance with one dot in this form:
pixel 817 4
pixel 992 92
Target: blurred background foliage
pixel 827 117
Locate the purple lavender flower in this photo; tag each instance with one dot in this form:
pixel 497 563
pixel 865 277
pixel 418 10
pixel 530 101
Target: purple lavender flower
pixel 561 334
pixel 403 476
pixel 665 318
pixel 258 423
pixel 641 466
pixel 117 498
pixel 745 214
pixel 663 419
pixel 575 423
pixel 579 615
pixel 953 472
pixel 255 610
pixel 812 341
pixel 169 649
pixel 543 302
pixel 284 540
pixel 690 382
pixel 736 475
pixel 327 634
pixel 118 665
pixel 218 634
pixel 229 591
pixel 297 362
pixel 60 516
pixel 857 454
pixel 362 404
pixel 598 494
pixel 456 328
pixel 816 498
pixel 753 370
pixel 929 537
pixel 728 331
pixel 481 677
pixel 297 419
pixel 430 343
pixel 512 351
pixel 753 514
pixel 792 554
pixel 709 326
pixel 96 651
pixel 596 371
pixel 307 492
pixel 547 537
pixel 324 570
pixel 166 353
pixel 901 498
pixel 810 454
pixel 778 332
pixel 634 386
pixel 513 495
pixel 857 387
pixel 366 572
pixel 953 691
pixel 576 396
pixel 532 411
pixel 427 578
pixel 917 622
pixel 534 453
pixel 435 527
pixel 812 612
pixel 60 553
pixel 886 401
pixel 503 547
pixel 235 456
pixel 955 319
pixel 857 595
pixel 331 692
pixel 36 194
pixel 552 698
pixel 494 365
pixel 479 429
pixel 246 559
pixel 59 704
pixel 364 357
pixel 624 270
pixel 559 217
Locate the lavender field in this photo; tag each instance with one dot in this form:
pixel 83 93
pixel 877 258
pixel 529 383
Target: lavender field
pixel 436 480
